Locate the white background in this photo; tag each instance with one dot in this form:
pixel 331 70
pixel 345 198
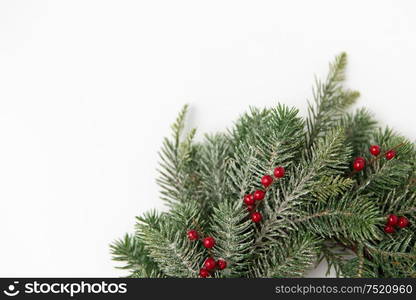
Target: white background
pixel 89 88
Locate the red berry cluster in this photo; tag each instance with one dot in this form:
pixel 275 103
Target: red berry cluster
pixel 359 162
pixel 210 265
pixel 208 242
pixel 395 221
pixel 251 200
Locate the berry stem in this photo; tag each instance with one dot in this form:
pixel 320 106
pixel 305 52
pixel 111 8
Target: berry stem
pixel 198 229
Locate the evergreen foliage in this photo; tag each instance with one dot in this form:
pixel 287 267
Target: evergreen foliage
pixel 321 209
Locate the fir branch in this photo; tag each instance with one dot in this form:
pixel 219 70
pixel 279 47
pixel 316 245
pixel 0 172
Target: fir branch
pixel 330 102
pixel 212 171
pixel 131 251
pixel 328 159
pixel 401 202
pixel 240 174
pixel 359 129
pixel 289 257
pixel 184 216
pixel 359 267
pixel 403 246
pixel 142 273
pixel 257 151
pixel 175 255
pixel 284 145
pixel 177 174
pixel 354 218
pixel 234 236
pixel 331 186
pixel 381 176
pixel 396 255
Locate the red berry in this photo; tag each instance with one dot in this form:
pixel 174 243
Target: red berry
pixel 256 217
pixel 266 180
pixel 389 229
pixel 259 195
pixel 250 207
pixel 210 263
pixel 249 199
pixel 358 164
pixel 390 154
pixel 375 150
pixel 403 222
pixel 203 273
pixel 392 220
pixel 208 242
pixel 279 172
pixel 221 264
pixel 192 235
